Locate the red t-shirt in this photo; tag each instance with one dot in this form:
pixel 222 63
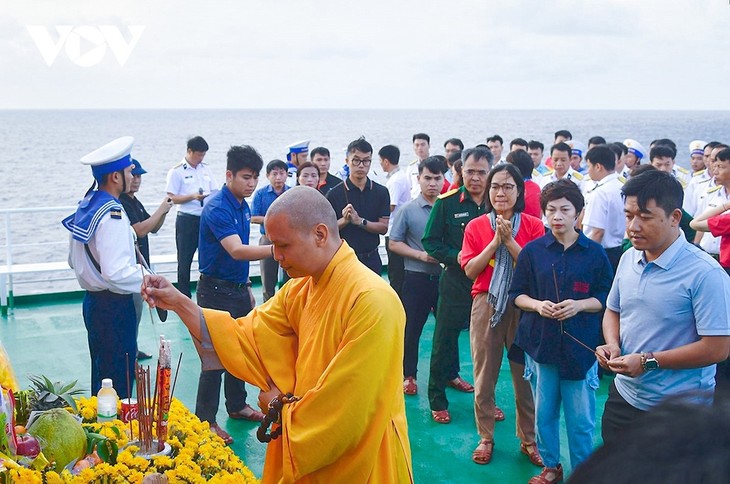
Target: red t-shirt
pixel 446 187
pixel 478 234
pixel 532 199
pixel 720 227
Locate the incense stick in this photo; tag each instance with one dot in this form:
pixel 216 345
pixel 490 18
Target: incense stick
pixel 129 390
pixel 174 381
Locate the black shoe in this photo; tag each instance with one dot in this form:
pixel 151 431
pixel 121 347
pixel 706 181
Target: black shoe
pixel 162 314
pixel 141 355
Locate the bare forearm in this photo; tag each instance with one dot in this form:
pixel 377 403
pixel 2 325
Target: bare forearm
pixel 526 303
pixel 251 252
pixel 611 327
pixel 597 235
pixel 376 227
pixel 178 199
pixel 257 219
pixel 403 249
pixel 707 351
pixel 477 265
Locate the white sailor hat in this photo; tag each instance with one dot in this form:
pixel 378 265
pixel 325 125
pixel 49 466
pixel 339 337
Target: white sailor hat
pixel 697 147
pixel 635 148
pixel 298 147
pixel 111 157
pixel 576 147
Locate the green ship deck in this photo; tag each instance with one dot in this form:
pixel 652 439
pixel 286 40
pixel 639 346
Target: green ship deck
pixel 46 336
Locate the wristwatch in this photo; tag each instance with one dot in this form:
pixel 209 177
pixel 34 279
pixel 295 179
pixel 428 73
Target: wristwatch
pixel 363 222
pixel 648 362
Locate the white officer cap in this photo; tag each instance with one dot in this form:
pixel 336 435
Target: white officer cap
pixel 635 148
pixel 576 147
pixel 298 147
pixel 697 147
pixel 111 157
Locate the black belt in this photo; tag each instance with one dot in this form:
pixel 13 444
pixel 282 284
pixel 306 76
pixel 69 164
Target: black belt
pixel 366 254
pixel 224 283
pixel 424 275
pixel 181 214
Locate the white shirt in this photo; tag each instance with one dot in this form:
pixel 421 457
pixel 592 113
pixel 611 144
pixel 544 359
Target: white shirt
pixel 412 176
pixel 184 179
pixel 716 196
pixel 399 190
pixel 682 174
pixel 697 186
pixel 112 246
pixel 571 175
pixel 605 210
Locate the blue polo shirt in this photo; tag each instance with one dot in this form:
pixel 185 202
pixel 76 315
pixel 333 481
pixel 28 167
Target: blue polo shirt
pixel 664 304
pixel 262 200
pixel 582 271
pixel 223 216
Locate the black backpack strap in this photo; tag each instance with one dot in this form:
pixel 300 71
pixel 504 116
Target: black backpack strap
pixel 93 261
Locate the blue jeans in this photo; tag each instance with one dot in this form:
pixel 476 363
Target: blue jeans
pixel 578 398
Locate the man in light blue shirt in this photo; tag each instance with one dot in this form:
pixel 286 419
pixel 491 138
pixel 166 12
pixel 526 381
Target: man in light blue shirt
pixel 667 320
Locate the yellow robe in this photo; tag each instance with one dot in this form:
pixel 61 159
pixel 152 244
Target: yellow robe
pixel 337 344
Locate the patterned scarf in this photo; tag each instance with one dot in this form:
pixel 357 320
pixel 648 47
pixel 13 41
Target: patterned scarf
pixel 503 270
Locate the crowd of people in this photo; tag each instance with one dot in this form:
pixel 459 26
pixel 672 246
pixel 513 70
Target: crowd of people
pixel 585 262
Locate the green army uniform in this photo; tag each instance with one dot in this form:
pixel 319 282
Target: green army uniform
pixel 442 240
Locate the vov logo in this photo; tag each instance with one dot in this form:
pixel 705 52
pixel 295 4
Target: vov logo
pixel 85 45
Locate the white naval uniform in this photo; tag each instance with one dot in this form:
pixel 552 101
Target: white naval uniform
pixel 571 175
pixel 696 186
pixel 605 210
pixel 412 177
pixel 716 196
pixel 683 175
pixel 183 179
pixel 399 190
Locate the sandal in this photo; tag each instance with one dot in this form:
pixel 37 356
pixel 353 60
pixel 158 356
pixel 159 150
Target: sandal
pixel 498 414
pixel 409 386
pixel 441 416
pixel 483 455
pixel 227 439
pixel 530 450
pixel 462 385
pixel 543 478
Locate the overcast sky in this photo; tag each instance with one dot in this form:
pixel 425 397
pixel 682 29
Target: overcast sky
pixel 506 54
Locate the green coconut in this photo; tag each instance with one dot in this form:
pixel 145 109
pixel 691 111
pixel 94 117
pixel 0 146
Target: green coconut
pixel 61 436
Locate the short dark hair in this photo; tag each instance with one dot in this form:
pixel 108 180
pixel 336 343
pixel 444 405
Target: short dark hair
pixel 455 142
pixel 562 189
pixel 518 142
pixel 663 188
pixel 602 155
pixel 276 164
pixel 197 143
pixel 523 162
pixel 422 136
pixel 453 157
pixel 616 150
pixel 519 182
pixel 496 137
pixel 564 147
pixel 477 153
pixel 661 151
pixel 700 455
pixel 723 155
pixel 433 164
pixel 243 157
pixel 442 160
pixel 361 145
pixel 564 133
pixel 319 150
pixel 597 140
pixel 639 169
pixel 535 145
pixel 665 142
pixel 712 144
pixel 624 149
pixel 390 153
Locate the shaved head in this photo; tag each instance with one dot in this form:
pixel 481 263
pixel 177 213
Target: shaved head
pixel 305 208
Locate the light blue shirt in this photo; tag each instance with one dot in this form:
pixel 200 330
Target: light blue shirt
pixel 664 304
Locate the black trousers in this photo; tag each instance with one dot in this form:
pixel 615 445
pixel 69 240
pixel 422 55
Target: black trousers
pixel 618 414
pixel 371 260
pixel 420 297
pixel 187 231
pixel 238 303
pixel 396 269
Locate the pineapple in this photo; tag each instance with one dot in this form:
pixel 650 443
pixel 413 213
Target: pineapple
pixel 48 395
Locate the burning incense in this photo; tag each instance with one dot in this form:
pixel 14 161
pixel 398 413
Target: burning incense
pixel 162 389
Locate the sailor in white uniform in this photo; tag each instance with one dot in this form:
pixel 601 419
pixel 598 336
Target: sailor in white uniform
pixel 102 254
pixel 633 158
pixel 560 154
pixel 296 155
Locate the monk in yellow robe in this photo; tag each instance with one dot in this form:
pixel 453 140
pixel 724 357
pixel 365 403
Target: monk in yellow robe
pixel 332 336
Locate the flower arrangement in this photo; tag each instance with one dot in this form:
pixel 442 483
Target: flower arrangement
pixel 197 456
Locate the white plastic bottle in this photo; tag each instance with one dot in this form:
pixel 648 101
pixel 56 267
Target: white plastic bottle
pixel 106 402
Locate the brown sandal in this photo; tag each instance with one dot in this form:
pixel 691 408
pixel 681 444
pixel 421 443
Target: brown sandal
pixel 483 456
pixel 530 450
pixel 542 478
pixel 441 416
pixel 498 414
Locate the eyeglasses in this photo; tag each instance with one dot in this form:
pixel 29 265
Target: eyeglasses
pixel 507 188
pixel 359 162
pixel 473 173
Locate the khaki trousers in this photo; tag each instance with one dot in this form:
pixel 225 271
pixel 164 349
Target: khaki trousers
pixel 487 346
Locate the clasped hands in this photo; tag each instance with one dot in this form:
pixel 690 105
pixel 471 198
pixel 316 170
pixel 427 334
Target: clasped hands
pixel 503 231
pixel 561 311
pixel 350 214
pixel 610 358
